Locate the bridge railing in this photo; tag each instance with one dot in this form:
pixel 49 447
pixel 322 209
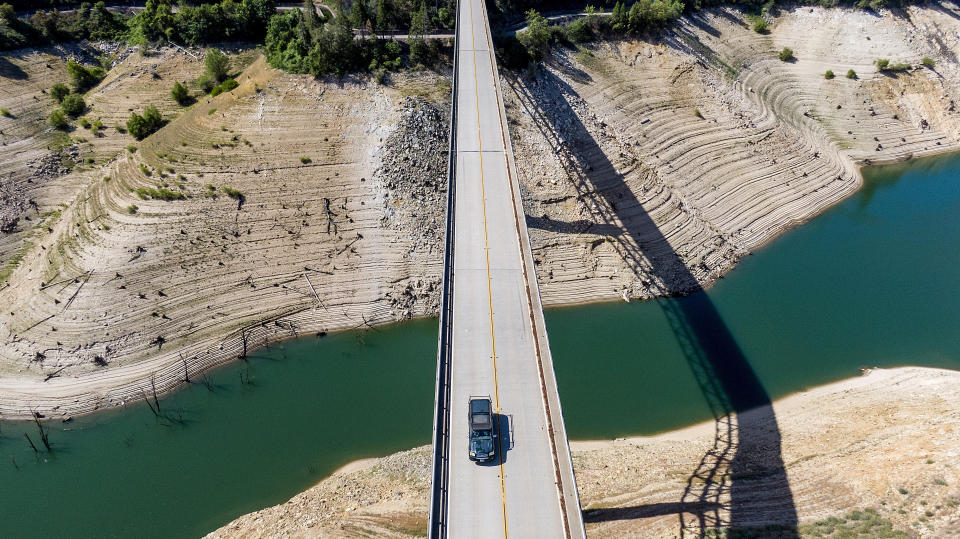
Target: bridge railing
pixel 439 488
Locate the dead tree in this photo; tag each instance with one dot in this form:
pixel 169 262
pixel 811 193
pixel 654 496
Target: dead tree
pixel 186 373
pixel 29 441
pixel 43 433
pixel 146 400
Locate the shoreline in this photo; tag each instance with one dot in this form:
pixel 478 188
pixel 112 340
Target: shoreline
pixel 637 471
pixel 711 190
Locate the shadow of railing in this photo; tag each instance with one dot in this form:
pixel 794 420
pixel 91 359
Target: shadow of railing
pixel 740 482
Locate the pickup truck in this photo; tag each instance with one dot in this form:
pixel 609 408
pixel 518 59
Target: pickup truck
pixel 482 432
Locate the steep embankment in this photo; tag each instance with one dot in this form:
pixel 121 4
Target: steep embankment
pixel 298 211
pixel 651 167
pixel 885 444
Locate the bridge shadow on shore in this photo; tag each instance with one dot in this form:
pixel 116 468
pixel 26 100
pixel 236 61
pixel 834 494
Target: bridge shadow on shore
pixel 740 483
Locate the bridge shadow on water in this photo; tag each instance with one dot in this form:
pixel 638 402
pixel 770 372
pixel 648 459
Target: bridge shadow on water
pixel 740 483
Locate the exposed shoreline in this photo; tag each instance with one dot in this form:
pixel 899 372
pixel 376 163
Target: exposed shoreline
pixel 837 441
pixel 687 203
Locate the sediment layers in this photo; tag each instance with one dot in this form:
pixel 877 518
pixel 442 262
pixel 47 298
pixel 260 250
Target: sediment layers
pixel 651 167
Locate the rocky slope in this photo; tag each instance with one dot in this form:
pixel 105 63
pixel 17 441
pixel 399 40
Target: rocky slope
pixel 875 455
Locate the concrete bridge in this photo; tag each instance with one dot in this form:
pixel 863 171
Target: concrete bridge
pixel 493 340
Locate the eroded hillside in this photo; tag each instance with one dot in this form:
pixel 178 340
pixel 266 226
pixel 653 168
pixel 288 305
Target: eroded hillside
pixel 652 167
pixel 294 206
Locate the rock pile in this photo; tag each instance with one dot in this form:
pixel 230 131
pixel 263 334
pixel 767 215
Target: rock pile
pixel 413 176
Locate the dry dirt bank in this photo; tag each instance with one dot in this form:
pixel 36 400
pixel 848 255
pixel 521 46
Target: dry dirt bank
pixel 886 444
pixel 326 229
pixel 651 167
pixel 628 192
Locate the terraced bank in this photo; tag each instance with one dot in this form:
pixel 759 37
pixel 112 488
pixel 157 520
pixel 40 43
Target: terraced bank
pixel 648 168
pixel 640 158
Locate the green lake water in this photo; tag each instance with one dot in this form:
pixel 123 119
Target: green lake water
pixel 872 282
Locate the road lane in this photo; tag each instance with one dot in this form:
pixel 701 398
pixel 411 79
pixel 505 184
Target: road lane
pixel 494 348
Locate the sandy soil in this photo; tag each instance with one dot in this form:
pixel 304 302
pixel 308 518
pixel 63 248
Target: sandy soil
pixel 886 442
pixel 628 192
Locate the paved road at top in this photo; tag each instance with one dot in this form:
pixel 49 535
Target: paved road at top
pixel 499 344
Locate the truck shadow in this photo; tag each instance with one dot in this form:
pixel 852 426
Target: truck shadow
pixel 504 430
pixel 740 483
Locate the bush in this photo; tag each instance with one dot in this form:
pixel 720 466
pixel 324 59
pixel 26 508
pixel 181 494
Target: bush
pixel 928 62
pixel 84 123
pixel 760 25
pixel 225 86
pixel 58 91
pixel 882 63
pixel 305 160
pixel 579 31
pixel 216 65
pixel 232 193
pixel 132 209
pixel 83 77
pixel 132 149
pixel 5 112
pixel 160 193
pixel 786 55
pixel 180 94
pixel 828 75
pixel 58 120
pixel 73 105
pixel 851 74
pixel 143 126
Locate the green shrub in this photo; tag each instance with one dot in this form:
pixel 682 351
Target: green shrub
pixel 146 171
pixel 180 94
pixel 697 113
pixel 786 55
pixel 216 65
pixel 58 91
pixel 131 148
pixel 928 62
pixel 131 209
pixel 58 120
pixel 760 25
pixel 5 112
pixel 851 74
pixel 232 193
pixel 882 63
pixel 305 160
pixel 73 105
pixel 224 86
pixel 159 193
pixel 84 123
pixel 211 111
pixel 143 126
pixel 83 77
pixel 579 31
pixel 828 75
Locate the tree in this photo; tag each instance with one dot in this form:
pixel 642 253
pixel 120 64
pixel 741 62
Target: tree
pixel 418 27
pixel 828 75
pixel 58 120
pixel 358 14
pixel 619 18
pixel 786 55
pixel 7 14
pixel 851 74
pixel 73 105
pixel 311 18
pixel 58 91
pixel 382 21
pixel 180 94
pixel 536 38
pixel 142 126
pixel 216 65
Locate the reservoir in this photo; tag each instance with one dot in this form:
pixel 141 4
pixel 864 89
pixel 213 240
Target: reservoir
pixel 871 282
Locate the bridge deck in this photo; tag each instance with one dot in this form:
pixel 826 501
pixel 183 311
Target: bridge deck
pixel 499 344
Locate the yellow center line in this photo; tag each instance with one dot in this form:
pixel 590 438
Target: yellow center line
pixel 486 244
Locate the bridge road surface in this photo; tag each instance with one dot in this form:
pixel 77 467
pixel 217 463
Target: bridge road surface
pixel 499 345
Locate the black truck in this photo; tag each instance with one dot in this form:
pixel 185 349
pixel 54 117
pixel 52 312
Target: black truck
pixel 482 434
